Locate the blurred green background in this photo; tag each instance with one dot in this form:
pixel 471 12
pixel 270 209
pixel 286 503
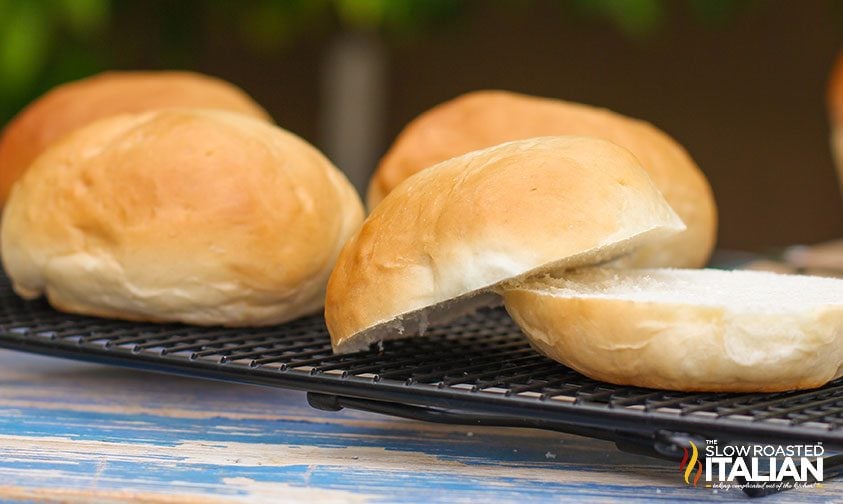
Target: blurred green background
pixel 47 42
pixel 741 83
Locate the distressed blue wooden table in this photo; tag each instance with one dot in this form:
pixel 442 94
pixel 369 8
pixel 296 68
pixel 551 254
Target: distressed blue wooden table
pixel 78 432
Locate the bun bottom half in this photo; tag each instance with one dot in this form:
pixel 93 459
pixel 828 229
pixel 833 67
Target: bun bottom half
pixel 694 331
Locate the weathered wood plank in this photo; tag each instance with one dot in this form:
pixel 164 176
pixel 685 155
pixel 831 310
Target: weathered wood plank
pixel 79 432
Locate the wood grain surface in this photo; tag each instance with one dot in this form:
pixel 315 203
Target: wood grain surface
pixel 78 432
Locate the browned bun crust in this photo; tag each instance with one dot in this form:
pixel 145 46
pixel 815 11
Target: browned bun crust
pixel 70 106
pixel 191 215
pixel 484 118
pixel 443 240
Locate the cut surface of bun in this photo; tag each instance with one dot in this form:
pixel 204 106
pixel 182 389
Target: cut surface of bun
pixel 70 106
pixel 439 243
pixel 689 330
pixel 484 118
pixel 198 216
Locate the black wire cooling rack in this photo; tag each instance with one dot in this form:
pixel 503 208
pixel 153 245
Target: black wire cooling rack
pixel 478 370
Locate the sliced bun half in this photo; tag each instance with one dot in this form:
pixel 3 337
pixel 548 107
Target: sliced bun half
pixel 481 119
pixel 194 215
pixel 689 330
pixel 439 243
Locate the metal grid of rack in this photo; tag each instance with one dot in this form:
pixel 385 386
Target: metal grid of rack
pixel 477 370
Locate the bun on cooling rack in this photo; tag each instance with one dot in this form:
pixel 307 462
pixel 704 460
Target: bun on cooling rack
pixel 484 118
pixel 76 104
pixel 440 242
pixel 690 330
pixel 198 216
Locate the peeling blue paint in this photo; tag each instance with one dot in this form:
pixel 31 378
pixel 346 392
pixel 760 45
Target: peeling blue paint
pixel 85 410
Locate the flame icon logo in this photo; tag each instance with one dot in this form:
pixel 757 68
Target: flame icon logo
pixel 689 465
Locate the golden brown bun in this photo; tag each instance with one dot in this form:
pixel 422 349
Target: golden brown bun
pixel 690 330
pixel 440 241
pixel 835 110
pixel 199 216
pixel 485 118
pixel 76 104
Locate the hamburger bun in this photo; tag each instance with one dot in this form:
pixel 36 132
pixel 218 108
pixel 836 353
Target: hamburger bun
pixel 484 118
pixel 440 243
pixel 70 106
pixel 688 330
pixel 194 215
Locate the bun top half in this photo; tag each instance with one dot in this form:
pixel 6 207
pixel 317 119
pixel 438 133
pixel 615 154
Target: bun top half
pixel 446 237
pixel 485 118
pixel 76 104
